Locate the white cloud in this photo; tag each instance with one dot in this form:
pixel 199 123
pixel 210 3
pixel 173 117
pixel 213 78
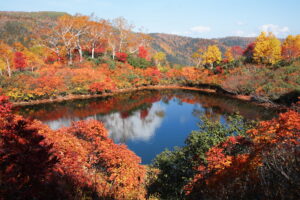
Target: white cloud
pixel 200 29
pixel 279 31
pixel 276 29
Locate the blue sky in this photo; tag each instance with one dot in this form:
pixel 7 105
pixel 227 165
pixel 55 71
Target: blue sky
pixel 195 18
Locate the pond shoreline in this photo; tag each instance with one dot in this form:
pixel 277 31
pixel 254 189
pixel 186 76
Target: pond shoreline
pixel 156 87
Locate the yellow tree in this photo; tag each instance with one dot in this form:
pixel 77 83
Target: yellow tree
pixel 198 56
pixel 228 55
pixel 2 67
pixel 291 47
pixel 6 55
pixel 159 57
pixel 267 49
pixel 33 59
pixel 212 55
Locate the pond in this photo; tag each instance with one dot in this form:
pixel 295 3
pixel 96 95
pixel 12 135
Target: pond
pixel 148 121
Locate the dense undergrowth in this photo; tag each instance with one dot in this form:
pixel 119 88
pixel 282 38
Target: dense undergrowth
pixel 53 81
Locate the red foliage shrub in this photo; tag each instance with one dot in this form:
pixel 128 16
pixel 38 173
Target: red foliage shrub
pixel 26 163
pixel 153 74
pixel 99 50
pixel 50 59
pixel 248 52
pixel 219 70
pixel 143 53
pixel 122 57
pixel 97 87
pixel 237 51
pixel 19 60
pixel 5 105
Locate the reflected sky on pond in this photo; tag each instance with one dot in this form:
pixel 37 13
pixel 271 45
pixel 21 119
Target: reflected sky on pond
pixel 148 122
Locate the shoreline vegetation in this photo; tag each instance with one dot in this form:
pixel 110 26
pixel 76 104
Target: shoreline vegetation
pixel 156 87
pixel 95 57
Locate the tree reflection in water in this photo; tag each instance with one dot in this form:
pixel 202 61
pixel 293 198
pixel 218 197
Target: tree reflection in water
pixel 147 121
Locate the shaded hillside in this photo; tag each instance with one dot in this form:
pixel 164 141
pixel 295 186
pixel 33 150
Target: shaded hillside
pixel 32 15
pixel 19 26
pixel 179 48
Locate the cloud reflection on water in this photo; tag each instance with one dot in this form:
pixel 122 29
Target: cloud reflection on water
pixel 132 128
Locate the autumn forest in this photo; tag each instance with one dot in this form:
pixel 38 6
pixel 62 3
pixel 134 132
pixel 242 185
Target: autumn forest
pixel 51 58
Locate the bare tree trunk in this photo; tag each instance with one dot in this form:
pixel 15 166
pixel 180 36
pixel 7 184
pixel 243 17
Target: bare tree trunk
pixel 198 63
pixel 79 51
pixel 93 51
pixel 70 57
pixel 8 68
pixel 113 53
pixel 120 45
pixel 80 54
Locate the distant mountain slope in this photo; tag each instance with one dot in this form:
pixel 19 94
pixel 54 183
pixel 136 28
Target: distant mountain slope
pixel 179 49
pixel 19 26
pixel 32 15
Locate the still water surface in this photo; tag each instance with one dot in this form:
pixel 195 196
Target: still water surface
pixel 148 121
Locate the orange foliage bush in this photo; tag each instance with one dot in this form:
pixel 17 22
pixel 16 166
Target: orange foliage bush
pixel 36 162
pixel 99 87
pixel 265 165
pixel 25 161
pixel 91 159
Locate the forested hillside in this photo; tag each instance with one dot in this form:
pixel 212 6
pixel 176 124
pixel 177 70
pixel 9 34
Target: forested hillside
pixel 20 26
pixel 179 49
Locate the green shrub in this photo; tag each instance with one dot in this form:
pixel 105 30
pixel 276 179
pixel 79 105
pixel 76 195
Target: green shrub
pixel 177 167
pixel 138 62
pixel 111 63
